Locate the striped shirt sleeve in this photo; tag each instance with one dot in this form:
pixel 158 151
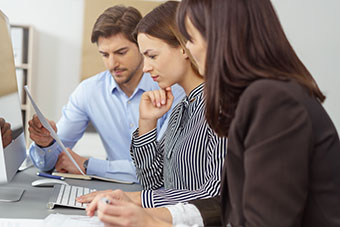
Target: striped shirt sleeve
pixel 147 155
pixel 211 187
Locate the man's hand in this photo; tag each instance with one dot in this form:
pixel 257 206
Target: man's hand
pixel 40 135
pixel 6 133
pixel 65 165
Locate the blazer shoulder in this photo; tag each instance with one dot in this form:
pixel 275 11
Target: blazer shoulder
pixel 265 86
pixel 264 90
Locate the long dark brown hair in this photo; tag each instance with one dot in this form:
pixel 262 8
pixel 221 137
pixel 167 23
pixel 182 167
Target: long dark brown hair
pixel 245 42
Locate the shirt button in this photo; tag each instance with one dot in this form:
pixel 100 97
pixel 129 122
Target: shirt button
pixel 131 125
pixel 129 102
pixel 49 151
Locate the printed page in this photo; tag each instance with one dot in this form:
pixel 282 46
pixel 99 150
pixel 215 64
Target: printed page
pixel 57 220
pixel 7 222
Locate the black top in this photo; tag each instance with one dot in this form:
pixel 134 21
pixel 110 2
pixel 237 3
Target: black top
pixel 283 161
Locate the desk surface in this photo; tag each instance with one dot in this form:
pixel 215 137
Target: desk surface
pixel 33 202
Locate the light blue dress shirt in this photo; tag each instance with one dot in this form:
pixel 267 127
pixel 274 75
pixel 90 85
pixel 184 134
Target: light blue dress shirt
pixel 114 115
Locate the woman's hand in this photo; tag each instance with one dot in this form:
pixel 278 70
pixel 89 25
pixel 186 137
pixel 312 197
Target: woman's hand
pixel 97 196
pixel 118 194
pixel 120 212
pixel 153 105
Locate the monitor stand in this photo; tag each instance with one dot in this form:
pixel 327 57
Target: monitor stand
pixel 26 164
pixel 10 194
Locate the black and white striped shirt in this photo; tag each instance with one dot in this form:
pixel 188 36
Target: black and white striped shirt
pixel 186 164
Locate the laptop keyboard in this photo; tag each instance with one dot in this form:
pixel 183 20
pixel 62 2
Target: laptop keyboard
pixel 65 195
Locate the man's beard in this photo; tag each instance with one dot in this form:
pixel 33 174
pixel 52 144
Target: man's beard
pixel 132 74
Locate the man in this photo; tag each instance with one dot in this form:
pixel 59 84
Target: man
pixel 110 100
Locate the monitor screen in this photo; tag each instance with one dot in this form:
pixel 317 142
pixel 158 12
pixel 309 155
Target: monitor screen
pixel 12 145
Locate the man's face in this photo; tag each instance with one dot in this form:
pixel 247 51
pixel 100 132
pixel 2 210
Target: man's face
pixel 121 57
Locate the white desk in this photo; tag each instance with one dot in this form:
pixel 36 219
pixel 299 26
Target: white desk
pixel 33 202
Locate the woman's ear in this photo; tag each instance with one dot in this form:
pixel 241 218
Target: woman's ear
pixel 184 53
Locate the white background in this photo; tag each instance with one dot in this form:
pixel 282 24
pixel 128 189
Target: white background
pixel 312 26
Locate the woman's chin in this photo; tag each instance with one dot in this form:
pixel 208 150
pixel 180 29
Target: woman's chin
pixel 163 85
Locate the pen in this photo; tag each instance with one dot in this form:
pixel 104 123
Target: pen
pixel 105 200
pixel 50 176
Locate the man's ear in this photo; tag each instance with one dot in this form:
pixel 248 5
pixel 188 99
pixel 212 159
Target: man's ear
pixel 184 53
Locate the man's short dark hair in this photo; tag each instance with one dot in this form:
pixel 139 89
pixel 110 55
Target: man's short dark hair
pixel 115 20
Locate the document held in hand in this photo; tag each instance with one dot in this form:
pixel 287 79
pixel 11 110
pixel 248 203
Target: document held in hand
pixel 54 135
pixel 47 125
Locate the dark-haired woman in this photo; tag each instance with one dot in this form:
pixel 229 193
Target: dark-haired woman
pixel 282 166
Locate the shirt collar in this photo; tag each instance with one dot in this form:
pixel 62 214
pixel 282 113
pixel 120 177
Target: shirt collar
pixel 145 84
pixel 195 93
pixel 194 99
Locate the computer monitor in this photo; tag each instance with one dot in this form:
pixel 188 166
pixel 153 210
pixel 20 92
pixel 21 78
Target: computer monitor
pixel 14 153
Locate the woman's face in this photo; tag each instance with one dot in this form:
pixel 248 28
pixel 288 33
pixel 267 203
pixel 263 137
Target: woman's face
pixel 197 46
pixel 167 65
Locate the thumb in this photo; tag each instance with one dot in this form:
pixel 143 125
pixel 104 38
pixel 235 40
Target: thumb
pixel 69 151
pixel 169 95
pixel 54 126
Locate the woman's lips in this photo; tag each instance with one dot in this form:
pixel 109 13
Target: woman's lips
pixel 154 78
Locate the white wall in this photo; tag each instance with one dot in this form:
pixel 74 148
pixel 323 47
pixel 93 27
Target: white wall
pixel 12 111
pixel 58 41
pixel 313 28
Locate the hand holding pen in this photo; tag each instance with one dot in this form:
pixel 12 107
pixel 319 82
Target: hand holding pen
pixel 116 212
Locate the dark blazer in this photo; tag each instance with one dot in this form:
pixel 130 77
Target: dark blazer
pixel 283 162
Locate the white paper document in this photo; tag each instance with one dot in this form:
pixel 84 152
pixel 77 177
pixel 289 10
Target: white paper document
pixel 45 123
pixel 9 222
pixel 57 220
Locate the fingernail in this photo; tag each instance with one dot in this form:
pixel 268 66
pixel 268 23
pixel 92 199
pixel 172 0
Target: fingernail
pixel 158 104
pixel 163 102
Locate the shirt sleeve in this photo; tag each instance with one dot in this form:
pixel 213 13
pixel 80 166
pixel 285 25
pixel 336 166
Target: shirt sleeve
pixel 210 188
pixel 44 158
pixel 123 170
pixel 210 210
pixel 185 215
pixel 147 155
